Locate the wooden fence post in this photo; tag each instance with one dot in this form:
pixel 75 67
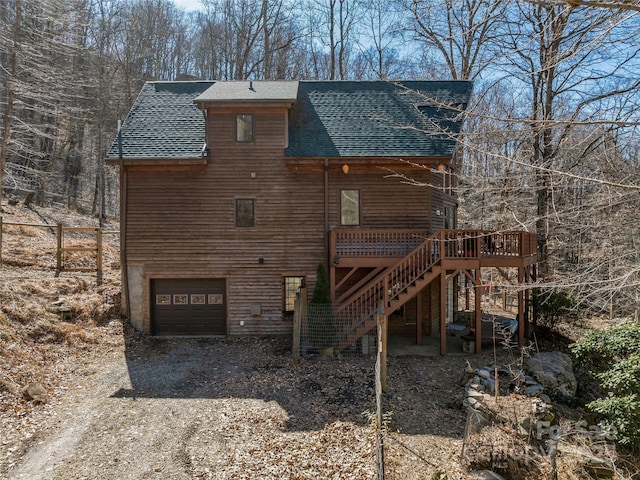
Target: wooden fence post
pixel 58 249
pixel 99 252
pixel 299 316
pixel 382 338
pixel 303 310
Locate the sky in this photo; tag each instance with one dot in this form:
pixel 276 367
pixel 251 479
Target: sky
pixel 188 4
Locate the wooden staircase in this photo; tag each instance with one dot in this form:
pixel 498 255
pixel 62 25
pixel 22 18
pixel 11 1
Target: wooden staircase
pixel 392 289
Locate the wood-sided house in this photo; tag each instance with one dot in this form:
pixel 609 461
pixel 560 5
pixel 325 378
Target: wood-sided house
pixel 232 193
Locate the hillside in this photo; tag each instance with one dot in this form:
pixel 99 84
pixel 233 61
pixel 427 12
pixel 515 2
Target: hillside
pixel 51 328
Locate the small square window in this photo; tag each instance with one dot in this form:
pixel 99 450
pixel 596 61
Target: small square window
pixel 244 212
pixel 181 299
pixel 163 299
pixel 215 299
pixel 350 207
pixel 244 128
pixel 197 299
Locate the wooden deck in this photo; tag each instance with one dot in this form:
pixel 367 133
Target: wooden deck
pixel 373 269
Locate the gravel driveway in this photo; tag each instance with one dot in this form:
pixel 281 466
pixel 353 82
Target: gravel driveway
pixel 207 408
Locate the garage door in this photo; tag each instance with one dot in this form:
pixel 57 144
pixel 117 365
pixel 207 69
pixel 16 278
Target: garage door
pixel 188 306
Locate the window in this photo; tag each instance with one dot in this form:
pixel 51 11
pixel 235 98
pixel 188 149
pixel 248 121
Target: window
pixel 449 217
pixel 350 207
pixel 244 212
pixel 290 287
pixel 244 128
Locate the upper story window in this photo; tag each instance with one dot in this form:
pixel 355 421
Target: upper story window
pixel 244 128
pixel 350 207
pixel 245 212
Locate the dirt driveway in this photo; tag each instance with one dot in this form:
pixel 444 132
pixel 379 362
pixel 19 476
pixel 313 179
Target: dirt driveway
pixel 206 408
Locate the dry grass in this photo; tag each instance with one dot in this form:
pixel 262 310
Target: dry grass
pixel 505 452
pixel 46 323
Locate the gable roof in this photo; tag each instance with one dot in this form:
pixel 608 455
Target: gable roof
pixel 163 122
pixel 327 118
pixel 378 118
pixel 250 91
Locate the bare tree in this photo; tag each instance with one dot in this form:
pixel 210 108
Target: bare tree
pixel 43 89
pixel 333 24
pixel 461 32
pixel 380 32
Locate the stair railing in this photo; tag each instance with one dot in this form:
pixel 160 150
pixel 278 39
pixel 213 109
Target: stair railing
pixel 387 287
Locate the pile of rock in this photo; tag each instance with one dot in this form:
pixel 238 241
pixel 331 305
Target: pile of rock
pixel 518 400
pixel 545 372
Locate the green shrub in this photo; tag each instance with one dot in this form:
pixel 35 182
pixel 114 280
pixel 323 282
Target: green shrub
pixel 553 305
pixel 613 357
pixel 322 331
pixel 321 292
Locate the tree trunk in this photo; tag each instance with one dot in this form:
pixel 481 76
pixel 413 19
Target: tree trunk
pixel 6 130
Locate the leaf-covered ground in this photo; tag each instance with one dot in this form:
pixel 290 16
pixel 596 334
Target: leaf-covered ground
pixel 123 405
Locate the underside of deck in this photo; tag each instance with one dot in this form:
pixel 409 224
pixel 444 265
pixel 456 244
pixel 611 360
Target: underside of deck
pixel 374 270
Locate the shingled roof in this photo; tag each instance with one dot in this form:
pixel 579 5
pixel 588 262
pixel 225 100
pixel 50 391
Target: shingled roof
pixel 254 91
pixel 164 122
pixel 378 118
pixel 328 119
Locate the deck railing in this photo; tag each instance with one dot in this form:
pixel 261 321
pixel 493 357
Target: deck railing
pixel 355 315
pixel 347 243
pixel 487 243
pixel 375 242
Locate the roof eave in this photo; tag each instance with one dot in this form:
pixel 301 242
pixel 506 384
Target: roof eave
pixel 151 161
pixel 203 104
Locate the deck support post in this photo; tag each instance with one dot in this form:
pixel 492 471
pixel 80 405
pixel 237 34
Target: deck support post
pixel 467 300
pixel 443 312
pixel 478 306
pixel 419 319
pixel 520 308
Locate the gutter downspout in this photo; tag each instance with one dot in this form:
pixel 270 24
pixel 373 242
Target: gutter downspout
pixel 326 214
pixel 125 308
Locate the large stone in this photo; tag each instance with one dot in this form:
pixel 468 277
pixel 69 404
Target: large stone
pixel 36 392
pixel 554 370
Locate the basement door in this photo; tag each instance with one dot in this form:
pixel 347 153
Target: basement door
pixel 188 306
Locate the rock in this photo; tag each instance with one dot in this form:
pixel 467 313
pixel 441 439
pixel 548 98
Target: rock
pixel 534 390
pixel 474 391
pixel 490 385
pixel 542 410
pixel 596 467
pixel 554 371
pixel 327 352
pixel 36 392
pixel 485 475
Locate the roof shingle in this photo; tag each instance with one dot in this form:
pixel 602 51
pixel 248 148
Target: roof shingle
pixel 369 119
pixel 328 118
pixel 163 122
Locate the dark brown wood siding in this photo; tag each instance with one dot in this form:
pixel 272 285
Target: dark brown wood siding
pixel 385 201
pixel 181 221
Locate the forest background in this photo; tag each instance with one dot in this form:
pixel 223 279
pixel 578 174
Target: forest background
pixel 550 143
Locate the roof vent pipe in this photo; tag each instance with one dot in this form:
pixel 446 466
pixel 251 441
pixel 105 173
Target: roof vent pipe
pixel 251 85
pixel 120 139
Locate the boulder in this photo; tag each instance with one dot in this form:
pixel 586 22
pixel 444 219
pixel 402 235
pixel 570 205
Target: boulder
pixel 36 392
pixel 554 371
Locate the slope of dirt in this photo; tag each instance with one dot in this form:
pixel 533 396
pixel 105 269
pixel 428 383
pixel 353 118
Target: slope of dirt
pixel 53 330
